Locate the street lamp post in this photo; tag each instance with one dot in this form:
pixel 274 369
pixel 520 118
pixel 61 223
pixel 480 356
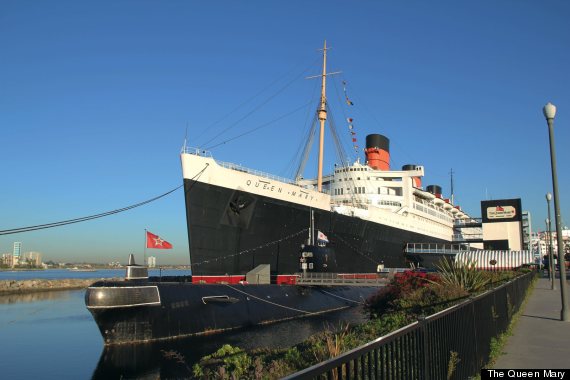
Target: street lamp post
pixel 551 267
pixel 549 112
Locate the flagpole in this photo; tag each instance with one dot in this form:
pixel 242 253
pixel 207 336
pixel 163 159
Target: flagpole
pixel 145 246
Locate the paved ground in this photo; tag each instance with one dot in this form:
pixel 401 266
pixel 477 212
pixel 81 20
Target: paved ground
pixel 540 339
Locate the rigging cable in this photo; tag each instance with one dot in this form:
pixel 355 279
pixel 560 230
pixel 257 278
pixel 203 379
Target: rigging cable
pixel 356 153
pixel 293 165
pixel 306 149
pixel 265 245
pixel 257 107
pixel 91 217
pixel 209 127
pixel 258 127
pixel 341 154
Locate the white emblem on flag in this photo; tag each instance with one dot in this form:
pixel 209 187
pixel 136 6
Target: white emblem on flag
pixel 322 237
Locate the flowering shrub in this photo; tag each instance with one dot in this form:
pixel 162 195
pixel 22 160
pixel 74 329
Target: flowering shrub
pixel 401 286
pixel 410 281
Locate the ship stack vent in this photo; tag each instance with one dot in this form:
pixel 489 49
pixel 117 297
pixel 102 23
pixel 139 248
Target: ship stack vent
pixel 417 180
pixel 434 189
pixel 378 152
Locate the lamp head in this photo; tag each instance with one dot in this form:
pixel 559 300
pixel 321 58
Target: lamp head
pixel 549 111
pixel 548 197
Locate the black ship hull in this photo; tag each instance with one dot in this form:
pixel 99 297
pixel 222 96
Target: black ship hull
pixel 232 231
pixel 155 310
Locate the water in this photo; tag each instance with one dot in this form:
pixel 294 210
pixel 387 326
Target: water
pixel 51 335
pixel 52 274
pixel 47 336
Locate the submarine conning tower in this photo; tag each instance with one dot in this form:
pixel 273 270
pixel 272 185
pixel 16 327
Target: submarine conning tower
pixel 378 152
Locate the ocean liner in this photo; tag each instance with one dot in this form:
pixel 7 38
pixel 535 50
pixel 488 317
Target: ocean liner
pixel 251 260
pixel 238 218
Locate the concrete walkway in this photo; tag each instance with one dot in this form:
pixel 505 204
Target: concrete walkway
pixel 540 339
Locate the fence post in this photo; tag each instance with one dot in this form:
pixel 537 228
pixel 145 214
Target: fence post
pixel 424 334
pixel 473 313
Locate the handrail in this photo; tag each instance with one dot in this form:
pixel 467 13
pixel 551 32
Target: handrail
pixel 437 248
pixel 239 168
pixel 410 352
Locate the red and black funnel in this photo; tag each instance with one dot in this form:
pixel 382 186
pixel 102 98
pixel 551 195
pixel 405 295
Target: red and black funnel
pixel 378 152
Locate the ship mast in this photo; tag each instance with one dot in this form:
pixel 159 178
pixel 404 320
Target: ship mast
pixel 322 114
pixel 322 118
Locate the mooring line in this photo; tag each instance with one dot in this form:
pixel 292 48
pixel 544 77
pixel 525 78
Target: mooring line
pixel 272 303
pixel 342 298
pixel 91 217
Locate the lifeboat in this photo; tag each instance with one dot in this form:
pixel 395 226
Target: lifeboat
pixel 423 194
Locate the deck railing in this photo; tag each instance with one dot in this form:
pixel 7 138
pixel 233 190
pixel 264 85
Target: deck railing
pixel 443 248
pixel 452 344
pixel 236 167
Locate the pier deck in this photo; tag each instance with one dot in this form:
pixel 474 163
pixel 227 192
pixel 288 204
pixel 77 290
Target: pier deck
pixel 540 339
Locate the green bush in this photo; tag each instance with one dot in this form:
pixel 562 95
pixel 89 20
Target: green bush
pixel 465 276
pixel 225 363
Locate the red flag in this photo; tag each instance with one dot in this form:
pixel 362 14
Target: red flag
pixel 155 241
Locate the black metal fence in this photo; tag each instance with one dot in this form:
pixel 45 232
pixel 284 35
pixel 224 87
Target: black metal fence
pixel 452 344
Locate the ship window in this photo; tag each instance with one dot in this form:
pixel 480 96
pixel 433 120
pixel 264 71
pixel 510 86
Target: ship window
pixel 358 178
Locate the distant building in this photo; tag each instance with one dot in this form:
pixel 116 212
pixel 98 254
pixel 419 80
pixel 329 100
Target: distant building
pixel 16 253
pixel 544 241
pixel 526 230
pixel 7 259
pixel 152 262
pixel 34 258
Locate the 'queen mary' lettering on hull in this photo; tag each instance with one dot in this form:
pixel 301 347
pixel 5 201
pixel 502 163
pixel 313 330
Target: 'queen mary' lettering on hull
pixel 265 185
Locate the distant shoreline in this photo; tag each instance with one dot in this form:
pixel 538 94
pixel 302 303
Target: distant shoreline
pixel 32 286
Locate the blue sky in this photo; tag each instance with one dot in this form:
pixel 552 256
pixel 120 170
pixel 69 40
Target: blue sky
pixel 96 97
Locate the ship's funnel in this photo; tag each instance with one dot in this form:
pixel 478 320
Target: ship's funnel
pixel 434 189
pixel 417 180
pixel 378 152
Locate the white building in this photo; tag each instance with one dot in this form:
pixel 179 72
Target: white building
pixel 16 253
pixel 544 240
pixel 152 262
